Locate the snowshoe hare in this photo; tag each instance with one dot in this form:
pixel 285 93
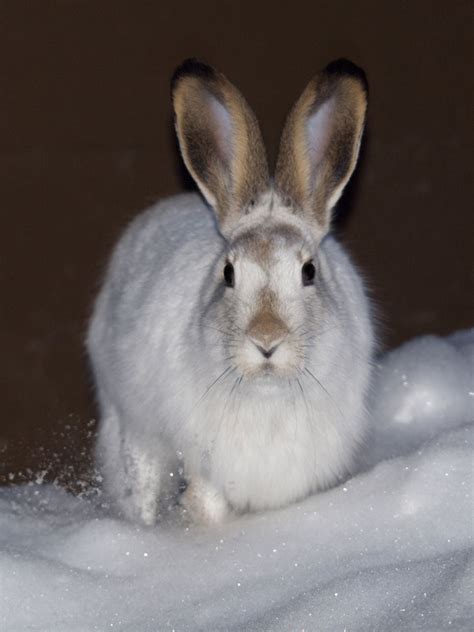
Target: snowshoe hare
pixel 232 341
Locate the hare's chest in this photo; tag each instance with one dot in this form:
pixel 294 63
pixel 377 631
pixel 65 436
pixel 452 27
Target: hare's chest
pixel 263 458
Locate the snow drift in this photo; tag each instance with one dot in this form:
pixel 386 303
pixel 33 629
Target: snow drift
pixel 391 549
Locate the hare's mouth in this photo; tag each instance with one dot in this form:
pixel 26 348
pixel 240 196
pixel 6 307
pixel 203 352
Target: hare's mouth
pixel 268 365
pixel 272 385
pixel 269 373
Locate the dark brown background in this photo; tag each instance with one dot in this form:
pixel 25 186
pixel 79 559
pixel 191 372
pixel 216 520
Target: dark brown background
pixel 86 142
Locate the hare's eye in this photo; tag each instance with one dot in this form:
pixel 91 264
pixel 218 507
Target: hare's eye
pixel 229 275
pixel 308 272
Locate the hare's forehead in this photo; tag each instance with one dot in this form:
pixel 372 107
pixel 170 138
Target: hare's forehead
pixel 266 246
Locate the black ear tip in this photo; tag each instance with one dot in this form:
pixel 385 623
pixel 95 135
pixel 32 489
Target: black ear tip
pixel 194 67
pixel 344 67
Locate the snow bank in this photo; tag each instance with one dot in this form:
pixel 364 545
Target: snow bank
pixel 388 550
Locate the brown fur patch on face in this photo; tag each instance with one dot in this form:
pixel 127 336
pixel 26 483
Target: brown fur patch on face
pixel 228 162
pixel 267 328
pixel 262 244
pixel 313 185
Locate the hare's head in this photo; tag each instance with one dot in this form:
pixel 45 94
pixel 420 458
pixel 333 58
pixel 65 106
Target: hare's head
pixel 271 296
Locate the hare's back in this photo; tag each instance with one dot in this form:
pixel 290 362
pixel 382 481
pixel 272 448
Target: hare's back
pixel 156 272
pixel 179 228
pixel 161 246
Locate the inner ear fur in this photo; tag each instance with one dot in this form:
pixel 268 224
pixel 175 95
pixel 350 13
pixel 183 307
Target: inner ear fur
pixel 320 141
pixel 220 140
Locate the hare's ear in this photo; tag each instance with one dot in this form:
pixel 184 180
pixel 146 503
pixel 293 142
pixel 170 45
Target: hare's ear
pixel 320 142
pixel 220 141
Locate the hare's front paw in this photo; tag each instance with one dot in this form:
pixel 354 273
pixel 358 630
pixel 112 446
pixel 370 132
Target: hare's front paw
pixel 203 503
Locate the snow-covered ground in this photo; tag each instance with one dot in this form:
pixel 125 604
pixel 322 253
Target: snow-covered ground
pixel 391 549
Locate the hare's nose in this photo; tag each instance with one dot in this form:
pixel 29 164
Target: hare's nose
pixel 267 344
pixel 267 331
pixel 267 353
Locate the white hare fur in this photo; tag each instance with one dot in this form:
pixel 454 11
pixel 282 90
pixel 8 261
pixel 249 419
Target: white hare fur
pixel 251 388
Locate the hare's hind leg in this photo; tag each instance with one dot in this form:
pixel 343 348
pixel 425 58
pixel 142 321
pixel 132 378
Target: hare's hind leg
pixel 132 472
pixel 107 455
pixel 143 482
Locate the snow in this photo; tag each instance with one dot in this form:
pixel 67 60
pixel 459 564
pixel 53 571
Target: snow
pixel 390 549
